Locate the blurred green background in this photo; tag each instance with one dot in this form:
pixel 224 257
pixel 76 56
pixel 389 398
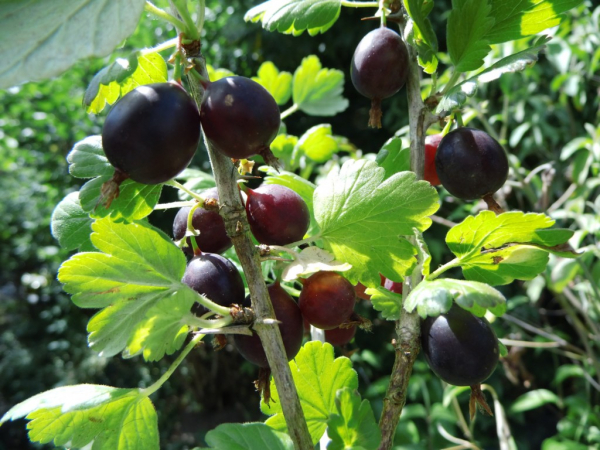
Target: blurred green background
pixel 548 118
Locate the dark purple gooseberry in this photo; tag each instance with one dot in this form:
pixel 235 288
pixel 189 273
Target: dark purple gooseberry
pixel 151 134
pixel 340 336
pixel 471 164
pixel 213 236
pixel 462 349
pixel 287 312
pixel 379 68
pixel 239 117
pixel 216 278
pixel 327 300
pixel 277 215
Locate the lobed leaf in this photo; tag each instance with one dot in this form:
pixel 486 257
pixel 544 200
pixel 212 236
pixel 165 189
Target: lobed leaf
pixel 318 377
pixel 354 425
pixel 279 84
pixel 388 303
pixel 515 19
pixel 432 298
pixel 296 16
pixel 87 159
pixel 363 219
pixel 119 78
pixel 137 268
pixel 394 157
pixel 423 34
pixel 135 200
pixel 318 91
pixel 317 143
pixel 102 417
pixel 513 245
pixel 70 224
pixel 41 39
pixel 468 23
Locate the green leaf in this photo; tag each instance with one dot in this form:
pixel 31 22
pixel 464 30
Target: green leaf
pixel 503 266
pixel 318 377
pixel 354 425
pixel 568 371
pixel 423 34
pixel 87 159
pixel 432 298
pixel 76 416
pixel 311 260
pixel 135 200
pixel 151 68
pixel 104 87
pixel 457 96
pixel 318 91
pixel 283 145
pixel 363 219
pixel 164 330
pixel 534 399
pixel 41 39
pixel 279 84
pixel 387 302
pixel 563 273
pixel 196 181
pixel 248 436
pixel 107 87
pixel 137 268
pixel 515 19
pixel 217 74
pixel 296 16
pixel 468 23
pixel 318 143
pixel 70 224
pixel 513 245
pixel 394 157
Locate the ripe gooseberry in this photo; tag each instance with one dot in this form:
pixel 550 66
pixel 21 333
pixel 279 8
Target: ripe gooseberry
pixel 216 278
pixel 276 214
pixel 287 312
pixel 327 300
pixel 471 164
pixel 151 134
pixel 213 237
pixel 240 118
pixel 379 68
pixel 461 348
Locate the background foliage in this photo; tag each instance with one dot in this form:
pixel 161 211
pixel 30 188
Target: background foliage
pixel 548 117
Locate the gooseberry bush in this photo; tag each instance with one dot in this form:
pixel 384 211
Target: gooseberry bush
pixel 318 233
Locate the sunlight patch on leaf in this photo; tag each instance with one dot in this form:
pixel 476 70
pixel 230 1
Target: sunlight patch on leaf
pixel 312 260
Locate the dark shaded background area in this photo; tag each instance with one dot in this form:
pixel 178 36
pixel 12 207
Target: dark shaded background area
pixel 42 334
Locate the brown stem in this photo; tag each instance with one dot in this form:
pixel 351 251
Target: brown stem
pixel 492 204
pixel 234 215
pixel 408 328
